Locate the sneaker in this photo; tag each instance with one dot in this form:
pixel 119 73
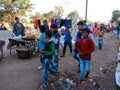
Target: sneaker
pixel 43 86
pixel 41 67
pixel 81 81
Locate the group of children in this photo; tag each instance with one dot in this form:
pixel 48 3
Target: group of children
pixel 49 49
pixel 98 34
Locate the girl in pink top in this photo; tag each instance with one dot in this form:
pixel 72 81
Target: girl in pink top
pixel 95 30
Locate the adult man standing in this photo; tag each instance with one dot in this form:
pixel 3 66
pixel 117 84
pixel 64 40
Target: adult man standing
pixel 18 28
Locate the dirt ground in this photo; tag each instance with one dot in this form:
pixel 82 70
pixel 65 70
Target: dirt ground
pixel 102 69
pixel 17 74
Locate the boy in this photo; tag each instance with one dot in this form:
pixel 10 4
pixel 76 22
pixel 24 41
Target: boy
pixel 85 48
pixel 56 40
pixel 68 40
pixel 42 41
pixel 100 38
pixel 78 36
pixel 48 52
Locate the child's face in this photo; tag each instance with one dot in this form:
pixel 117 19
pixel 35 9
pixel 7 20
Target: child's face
pixel 66 28
pixel 85 34
pixel 80 27
pixel 41 31
pixel 46 36
pixel 53 30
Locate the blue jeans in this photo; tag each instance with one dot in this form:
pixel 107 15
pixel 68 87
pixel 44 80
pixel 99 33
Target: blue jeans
pixel 48 67
pixel 100 43
pixel 95 39
pixel 65 46
pixel 75 56
pixel 56 60
pixel 84 67
pixel 117 33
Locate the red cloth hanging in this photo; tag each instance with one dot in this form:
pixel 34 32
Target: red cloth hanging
pixel 36 24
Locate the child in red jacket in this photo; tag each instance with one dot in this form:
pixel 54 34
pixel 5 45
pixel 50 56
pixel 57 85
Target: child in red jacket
pixel 85 48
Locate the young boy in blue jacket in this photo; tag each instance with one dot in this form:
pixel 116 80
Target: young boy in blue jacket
pixel 56 40
pixel 68 40
pixel 42 41
pixel 78 36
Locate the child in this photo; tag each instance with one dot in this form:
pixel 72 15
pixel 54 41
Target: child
pixel 56 40
pixel 68 40
pixel 48 52
pixel 85 48
pixel 94 33
pixel 78 36
pixel 100 38
pixel 42 41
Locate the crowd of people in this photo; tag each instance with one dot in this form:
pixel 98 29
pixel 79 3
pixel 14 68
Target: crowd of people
pixel 83 48
pixel 87 39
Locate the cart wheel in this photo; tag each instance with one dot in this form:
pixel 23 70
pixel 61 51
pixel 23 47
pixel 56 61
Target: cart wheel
pixel 1 55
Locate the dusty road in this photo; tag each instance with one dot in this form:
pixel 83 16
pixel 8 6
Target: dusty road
pixel 17 74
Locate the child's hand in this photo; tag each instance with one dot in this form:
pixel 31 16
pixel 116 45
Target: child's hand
pixel 39 40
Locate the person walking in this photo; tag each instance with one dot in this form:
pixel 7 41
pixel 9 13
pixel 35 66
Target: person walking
pixel 42 41
pixel 56 40
pixel 100 38
pixel 48 52
pixel 85 48
pixel 78 36
pixel 94 33
pixel 118 31
pixel 67 40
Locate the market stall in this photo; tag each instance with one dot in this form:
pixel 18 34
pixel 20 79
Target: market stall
pixel 25 46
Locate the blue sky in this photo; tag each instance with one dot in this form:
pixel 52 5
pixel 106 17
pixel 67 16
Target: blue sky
pixel 98 10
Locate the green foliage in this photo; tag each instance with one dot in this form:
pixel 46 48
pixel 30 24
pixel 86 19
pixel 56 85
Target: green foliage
pixel 37 16
pixel 12 8
pixel 115 16
pixel 74 15
pixel 58 11
pixel 49 15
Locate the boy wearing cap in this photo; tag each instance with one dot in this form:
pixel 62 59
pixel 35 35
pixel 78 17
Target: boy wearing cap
pixel 78 36
pixel 56 40
pixel 85 48
pixel 68 40
pixel 48 52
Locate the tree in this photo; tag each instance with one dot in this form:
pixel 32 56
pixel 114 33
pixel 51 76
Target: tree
pixel 49 15
pixel 37 16
pixel 58 11
pixel 9 9
pixel 115 16
pixel 74 15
